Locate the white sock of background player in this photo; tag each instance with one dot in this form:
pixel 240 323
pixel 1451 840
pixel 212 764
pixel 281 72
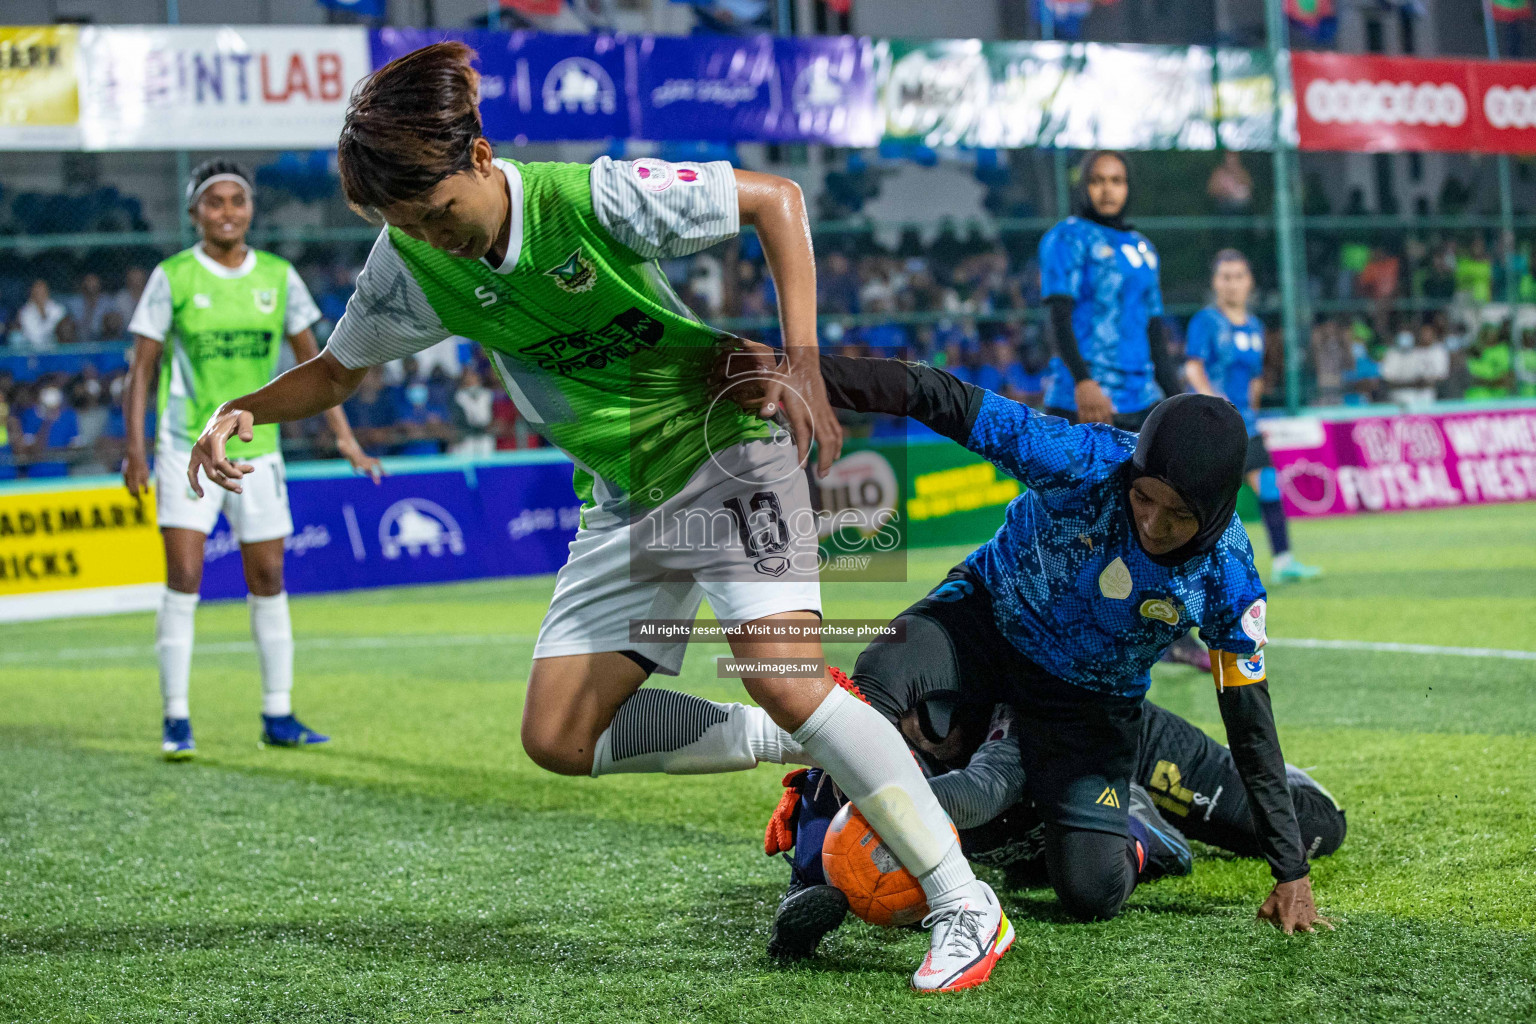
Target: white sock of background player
pixel 664 731
pixel 272 629
pixel 173 649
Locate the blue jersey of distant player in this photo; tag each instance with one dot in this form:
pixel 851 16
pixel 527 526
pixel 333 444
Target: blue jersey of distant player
pixel 1071 587
pixel 1111 276
pixel 1233 356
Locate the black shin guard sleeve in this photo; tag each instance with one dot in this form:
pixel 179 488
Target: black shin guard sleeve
pixel 1092 872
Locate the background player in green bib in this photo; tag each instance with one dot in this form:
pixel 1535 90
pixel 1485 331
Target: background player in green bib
pixel 551 268
pixel 212 320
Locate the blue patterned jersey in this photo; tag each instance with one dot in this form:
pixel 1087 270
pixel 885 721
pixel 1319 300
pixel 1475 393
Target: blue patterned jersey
pixel 1233 355
pixel 1111 276
pixel 1071 587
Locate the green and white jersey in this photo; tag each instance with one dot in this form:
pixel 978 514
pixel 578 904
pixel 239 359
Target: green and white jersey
pixel 223 330
pixel 597 351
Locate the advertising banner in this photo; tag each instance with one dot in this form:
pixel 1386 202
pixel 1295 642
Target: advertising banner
pixel 758 88
pixel 77 551
pixel 1396 104
pixel 39 93
pixel 535 87
pixel 220 86
pixel 963 92
pixel 1408 461
pixel 511 520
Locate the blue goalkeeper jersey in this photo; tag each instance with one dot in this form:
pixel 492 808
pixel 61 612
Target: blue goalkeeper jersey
pixel 1111 277
pixel 1233 355
pixel 1071 587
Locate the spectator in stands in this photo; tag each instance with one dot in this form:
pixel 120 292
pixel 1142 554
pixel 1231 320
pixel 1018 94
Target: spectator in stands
pixel 1491 366
pixel 1440 280
pixel 9 429
pixel 37 322
pixel 1380 282
pixel 92 404
pixel 1415 367
pixel 114 328
pixel 48 429
pixel 838 286
pixel 423 422
pixel 135 279
pixel 1230 185
pixel 373 414
pixel 1474 274
pixel 90 307
pixel 1331 361
pixel 473 415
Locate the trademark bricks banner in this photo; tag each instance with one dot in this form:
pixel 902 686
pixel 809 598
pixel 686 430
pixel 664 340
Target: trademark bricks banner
pixel 217 87
pixel 1394 104
pixel 1389 463
pixel 39 93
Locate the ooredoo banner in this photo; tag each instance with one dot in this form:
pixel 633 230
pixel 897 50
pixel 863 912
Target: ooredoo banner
pixel 1408 461
pixel 221 86
pixel 1395 104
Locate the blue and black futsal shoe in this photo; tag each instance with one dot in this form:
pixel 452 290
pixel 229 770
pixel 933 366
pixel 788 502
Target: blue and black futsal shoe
pixel 1165 851
pixel 287 731
pixel 805 915
pixel 176 739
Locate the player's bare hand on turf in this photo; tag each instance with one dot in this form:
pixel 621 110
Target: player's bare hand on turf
pixel 1291 909
pixel 1093 405
pixel 136 475
pixel 360 460
pixel 208 454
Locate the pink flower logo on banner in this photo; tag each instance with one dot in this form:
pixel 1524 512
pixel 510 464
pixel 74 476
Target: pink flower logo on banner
pixel 1310 486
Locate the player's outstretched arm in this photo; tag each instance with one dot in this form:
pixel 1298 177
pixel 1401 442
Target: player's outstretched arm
pixel 1255 745
pixel 304 391
pixel 305 349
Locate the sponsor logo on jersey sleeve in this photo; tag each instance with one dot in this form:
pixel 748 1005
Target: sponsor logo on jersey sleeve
pixel 654 175
pixel 1252 667
pixel 1253 623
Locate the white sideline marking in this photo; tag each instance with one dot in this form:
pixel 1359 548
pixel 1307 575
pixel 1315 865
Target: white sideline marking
pixel 347 643
pixel 355 643
pixel 1391 648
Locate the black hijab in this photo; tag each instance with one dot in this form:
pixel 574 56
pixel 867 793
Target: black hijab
pixel 1085 205
pixel 1197 445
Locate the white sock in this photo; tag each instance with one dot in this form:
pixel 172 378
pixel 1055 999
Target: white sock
pixel 173 647
pixel 679 734
pixel 272 630
pixel 870 762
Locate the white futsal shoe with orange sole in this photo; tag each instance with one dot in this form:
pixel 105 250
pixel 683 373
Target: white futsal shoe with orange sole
pixel 969 938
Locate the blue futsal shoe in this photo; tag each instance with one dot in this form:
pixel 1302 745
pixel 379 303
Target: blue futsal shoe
pixel 287 731
pixel 1164 850
pixel 176 739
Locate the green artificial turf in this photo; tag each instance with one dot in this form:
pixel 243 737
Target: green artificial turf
pixel 421 868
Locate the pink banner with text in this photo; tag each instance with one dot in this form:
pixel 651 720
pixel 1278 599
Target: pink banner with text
pixel 1405 461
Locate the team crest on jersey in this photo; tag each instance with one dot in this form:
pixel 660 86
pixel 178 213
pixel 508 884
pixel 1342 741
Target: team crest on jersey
pixel 575 275
pixel 1115 581
pixel 1161 610
pixel 266 300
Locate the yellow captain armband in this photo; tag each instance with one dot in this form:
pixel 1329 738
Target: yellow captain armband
pixel 1230 669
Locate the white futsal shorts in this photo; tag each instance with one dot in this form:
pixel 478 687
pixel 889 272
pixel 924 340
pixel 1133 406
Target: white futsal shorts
pixel 258 513
pixel 741 533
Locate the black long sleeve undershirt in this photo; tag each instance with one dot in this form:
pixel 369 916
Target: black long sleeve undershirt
pixel 1164 370
pixel 939 400
pixel 1250 722
pixel 1064 338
